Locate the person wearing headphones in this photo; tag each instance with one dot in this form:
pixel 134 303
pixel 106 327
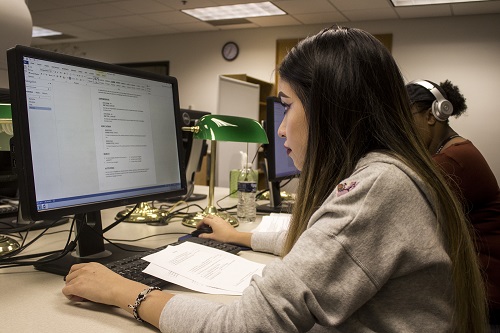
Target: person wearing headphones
pixel 467 172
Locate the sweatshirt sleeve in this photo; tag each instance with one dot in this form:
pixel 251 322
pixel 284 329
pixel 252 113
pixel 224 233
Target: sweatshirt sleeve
pixel 270 242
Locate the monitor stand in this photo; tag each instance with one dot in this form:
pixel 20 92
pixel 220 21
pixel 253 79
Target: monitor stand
pixel 276 205
pixel 90 247
pixel 284 207
pixel 192 197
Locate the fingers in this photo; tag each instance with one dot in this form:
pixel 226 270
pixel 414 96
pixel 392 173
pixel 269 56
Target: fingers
pixel 208 220
pixel 76 269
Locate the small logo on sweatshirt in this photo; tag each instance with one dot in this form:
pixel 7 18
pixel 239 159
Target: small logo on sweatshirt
pixel 344 188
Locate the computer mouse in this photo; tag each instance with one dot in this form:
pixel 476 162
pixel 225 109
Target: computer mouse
pixel 202 230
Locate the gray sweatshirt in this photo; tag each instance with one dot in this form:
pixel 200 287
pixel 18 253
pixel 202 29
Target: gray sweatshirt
pixel 371 260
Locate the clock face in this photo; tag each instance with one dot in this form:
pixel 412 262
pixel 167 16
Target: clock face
pixel 230 51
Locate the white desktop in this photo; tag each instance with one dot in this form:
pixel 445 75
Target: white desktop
pixel 32 300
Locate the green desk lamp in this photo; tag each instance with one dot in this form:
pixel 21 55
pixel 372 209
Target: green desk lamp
pixel 7 244
pixel 222 128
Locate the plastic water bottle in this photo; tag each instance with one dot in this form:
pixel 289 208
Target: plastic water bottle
pixel 247 188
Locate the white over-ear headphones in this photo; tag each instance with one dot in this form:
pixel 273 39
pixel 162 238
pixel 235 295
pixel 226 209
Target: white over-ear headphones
pixel 441 108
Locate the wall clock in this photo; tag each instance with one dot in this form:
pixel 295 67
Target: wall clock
pixel 230 51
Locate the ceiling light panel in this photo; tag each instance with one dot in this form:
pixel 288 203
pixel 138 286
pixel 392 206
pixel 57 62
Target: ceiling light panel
pixel 42 32
pixel 257 9
pixel 400 3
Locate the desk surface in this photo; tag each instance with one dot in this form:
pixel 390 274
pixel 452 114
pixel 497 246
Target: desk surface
pixel 32 300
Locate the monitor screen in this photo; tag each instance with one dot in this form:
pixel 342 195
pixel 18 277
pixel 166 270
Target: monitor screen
pixel 279 166
pixel 90 136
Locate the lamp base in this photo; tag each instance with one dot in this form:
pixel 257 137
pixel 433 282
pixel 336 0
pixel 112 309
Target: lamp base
pixel 7 245
pixel 143 214
pixel 193 219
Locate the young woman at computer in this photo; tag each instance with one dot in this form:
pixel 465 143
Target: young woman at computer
pixel 377 241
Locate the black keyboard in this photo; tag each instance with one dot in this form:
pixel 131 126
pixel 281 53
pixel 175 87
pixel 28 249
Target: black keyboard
pixel 132 267
pixel 7 209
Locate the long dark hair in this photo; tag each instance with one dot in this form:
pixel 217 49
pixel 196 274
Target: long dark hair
pixel 355 102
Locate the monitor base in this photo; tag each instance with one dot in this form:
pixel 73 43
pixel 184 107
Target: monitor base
pixel 192 197
pixel 285 207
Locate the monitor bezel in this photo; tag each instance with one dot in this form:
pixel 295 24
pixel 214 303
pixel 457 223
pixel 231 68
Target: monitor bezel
pixel 23 163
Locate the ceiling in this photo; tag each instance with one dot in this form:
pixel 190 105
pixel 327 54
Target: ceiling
pixel 88 20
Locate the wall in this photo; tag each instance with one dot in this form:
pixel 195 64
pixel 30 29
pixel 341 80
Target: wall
pixel 463 49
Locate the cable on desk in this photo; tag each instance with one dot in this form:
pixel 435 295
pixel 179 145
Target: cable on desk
pixel 146 237
pixel 173 214
pixel 226 208
pixel 120 220
pixel 9 231
pixel 18 261
pixel 23 246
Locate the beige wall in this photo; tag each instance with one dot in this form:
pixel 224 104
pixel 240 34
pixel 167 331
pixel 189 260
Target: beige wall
pixel 464 49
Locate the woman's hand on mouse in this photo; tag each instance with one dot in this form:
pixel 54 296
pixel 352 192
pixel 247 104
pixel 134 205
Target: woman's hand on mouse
pixel 223 231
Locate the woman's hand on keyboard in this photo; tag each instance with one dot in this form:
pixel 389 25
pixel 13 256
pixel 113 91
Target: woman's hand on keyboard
pixel 97 283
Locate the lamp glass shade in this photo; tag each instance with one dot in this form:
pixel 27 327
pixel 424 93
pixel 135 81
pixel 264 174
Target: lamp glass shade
pixel 5 113
pixel 230 128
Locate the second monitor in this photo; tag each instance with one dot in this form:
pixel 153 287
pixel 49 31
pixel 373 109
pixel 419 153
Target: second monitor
pixel 279 166
pixel 194 151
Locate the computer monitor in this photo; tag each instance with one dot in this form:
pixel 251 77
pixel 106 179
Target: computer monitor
pixel 8 180
pixel 279 166
pixel 90 136
pixel 194 151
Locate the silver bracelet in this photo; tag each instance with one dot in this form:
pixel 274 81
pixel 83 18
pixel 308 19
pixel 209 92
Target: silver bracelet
pixel 141 297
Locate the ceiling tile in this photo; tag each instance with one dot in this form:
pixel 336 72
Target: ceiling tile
pixel 157 29
pixel 305 7
pixel 102 10
pixel 330 17
pixel 132 21
pixel 196 26
pixel 373 14
pixel 274 21
pixel 474 8
pixel 172 17
pixel 97 25
pixel 177 4
pixel 423 11
pixel 58 16
pixel 142 6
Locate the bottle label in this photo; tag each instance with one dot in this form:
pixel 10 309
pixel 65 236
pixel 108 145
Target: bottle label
pixel 247 187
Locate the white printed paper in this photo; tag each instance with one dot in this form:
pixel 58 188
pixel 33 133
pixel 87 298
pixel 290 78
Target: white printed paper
pixel 205 266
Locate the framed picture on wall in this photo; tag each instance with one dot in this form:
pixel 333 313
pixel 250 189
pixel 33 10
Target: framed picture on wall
pixel 157 67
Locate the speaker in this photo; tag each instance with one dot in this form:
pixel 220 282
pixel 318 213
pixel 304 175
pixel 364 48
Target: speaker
pixel 441 108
